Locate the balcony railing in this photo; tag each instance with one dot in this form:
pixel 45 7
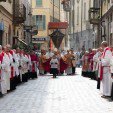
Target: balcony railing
pixel 2 0
pixel 19 12
pixel 66 5
pixel 94 15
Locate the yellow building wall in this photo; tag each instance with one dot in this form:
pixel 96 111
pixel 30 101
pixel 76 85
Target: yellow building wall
pixel 46 13
pixel 47 10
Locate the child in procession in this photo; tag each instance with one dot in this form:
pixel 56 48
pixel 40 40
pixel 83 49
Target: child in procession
pixel 54 66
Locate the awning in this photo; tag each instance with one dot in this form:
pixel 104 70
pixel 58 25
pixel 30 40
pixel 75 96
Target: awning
pixel 57 25
pixel 108 12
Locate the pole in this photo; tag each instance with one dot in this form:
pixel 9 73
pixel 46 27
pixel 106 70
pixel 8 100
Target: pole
pixel 101 21
pixel 53 10
pixel 73 18
pixel 59 10
pixel 81 15
pixel 31 21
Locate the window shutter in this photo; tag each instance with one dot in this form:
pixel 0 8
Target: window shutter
pixel 34 19
pixel 44 22
pixel 38 2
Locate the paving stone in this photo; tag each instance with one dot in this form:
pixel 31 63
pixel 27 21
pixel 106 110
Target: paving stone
pixel 65 94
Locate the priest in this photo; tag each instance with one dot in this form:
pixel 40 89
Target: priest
pixel 12 61
pixel 7 69
pixel 44 64
pixel 3 86
pixel 68 57
pixel 34 65
pixel 105 70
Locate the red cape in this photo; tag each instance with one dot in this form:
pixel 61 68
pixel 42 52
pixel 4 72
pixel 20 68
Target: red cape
pixel 33 58
pixel 47 66
pixel 63 65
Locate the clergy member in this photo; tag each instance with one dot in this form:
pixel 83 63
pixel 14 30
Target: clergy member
pixel 105 70
pixel 34 62
pixel 3 85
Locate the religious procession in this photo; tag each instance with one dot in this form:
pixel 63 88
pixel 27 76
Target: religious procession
pixel 97 64
pixel 18 66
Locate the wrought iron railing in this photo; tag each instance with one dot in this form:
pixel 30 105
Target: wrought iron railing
pixel 2 0
pixel 19 12
pixel 66 5
pixel 94 15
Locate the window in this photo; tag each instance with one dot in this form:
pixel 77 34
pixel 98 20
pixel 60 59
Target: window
pixel 38 3
pixel 40 21
pixel 56 2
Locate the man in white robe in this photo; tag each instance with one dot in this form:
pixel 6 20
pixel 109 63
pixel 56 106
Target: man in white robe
pixel 24 67
pixel 49 54
pixel 96 65
pixel 18 52
pixel 106 74
pixel 10 54
pixel 3 86
pixel 29 64
pixel 16 66
pixel 7 69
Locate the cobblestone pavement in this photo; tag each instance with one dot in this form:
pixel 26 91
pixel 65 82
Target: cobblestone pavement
pixel 65 94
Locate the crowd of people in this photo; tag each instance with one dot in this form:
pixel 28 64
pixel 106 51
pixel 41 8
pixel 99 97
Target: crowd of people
pixel 97 64
pixel 56 62
pixel 18 66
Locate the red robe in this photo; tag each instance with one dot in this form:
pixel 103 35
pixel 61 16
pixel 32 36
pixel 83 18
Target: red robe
pixel 63 65
pixel 46 65
pixel 34 61
pixel 90 60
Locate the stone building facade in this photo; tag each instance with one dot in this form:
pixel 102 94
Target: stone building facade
pixel 81 31
pixel 6 25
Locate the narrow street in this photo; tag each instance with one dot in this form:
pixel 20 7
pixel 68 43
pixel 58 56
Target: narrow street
pixel 65 94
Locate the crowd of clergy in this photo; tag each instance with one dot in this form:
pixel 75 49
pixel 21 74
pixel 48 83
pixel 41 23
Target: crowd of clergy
pixel 97 64
pixel 17 66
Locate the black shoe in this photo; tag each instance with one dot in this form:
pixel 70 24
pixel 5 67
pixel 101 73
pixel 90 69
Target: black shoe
pixel 1 95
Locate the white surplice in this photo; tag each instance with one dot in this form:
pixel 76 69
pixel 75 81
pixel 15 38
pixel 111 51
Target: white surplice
pixel 16 63
pixel 7 71
pixel 3 76
pixel 106 81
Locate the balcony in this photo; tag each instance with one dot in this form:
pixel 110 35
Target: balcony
pixel 2 0
pixel 94 15
pixel 66 5
pixel 19 12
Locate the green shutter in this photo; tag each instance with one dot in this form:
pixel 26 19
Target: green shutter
pixel 38 2
pixel 44 22
pixel 34 19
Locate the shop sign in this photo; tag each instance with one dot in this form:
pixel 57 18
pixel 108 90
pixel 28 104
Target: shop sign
pixel 39 39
